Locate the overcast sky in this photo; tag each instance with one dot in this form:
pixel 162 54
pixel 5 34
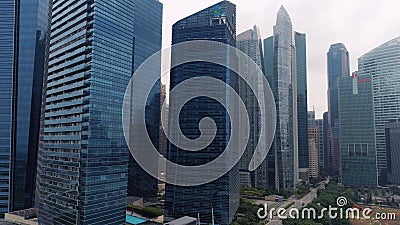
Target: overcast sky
pixel 360 24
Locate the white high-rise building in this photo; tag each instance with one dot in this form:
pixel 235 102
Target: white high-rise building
pixel 383 64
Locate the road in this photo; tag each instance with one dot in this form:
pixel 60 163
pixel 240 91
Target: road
pixel 300 203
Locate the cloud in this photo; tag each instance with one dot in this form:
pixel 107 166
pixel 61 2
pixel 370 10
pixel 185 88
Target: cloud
pixel 360 24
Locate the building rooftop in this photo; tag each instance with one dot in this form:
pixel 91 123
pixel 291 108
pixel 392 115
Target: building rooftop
pixel 183 221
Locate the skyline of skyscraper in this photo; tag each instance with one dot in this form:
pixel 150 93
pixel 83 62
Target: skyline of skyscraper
pixel 327 153
pixel 383 65
pixel 221 196
pixel 338 66
pixel 284 87
pixel 250 43
pixel 23 39
pixel 302 107
pixel 79 56
pixel 321 148
pixel 357 132
pixel 147 41
pixel 83 155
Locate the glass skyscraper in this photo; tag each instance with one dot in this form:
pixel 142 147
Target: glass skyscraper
pixel 250 43
pixel 327 154
pixel 393 151
pixel 23 37
pixel 284 87
pixel 215 23
pixel 357 142
pixel 383 64
pixel 301 71
pixel 147 41
pixel 268 72
pixel 338 66
pixel 320 124
pixel 83 156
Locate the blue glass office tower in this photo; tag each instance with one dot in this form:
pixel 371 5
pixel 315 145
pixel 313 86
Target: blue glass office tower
pixel 216 23
pixel 268 72
pixel 250 43
pixel 357 132
pixel 284 87
pixel 383 64
pixel 302 109
pixel 83 156
pixel 338 66
pixel 23 37
pixel 147 41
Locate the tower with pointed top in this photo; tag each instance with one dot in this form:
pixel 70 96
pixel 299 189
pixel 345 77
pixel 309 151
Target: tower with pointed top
pixel 284 86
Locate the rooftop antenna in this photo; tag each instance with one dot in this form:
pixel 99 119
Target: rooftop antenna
pixel 198 218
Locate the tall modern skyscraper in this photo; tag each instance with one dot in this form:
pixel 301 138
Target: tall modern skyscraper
pixel 215 23
pixel 281 71
pixel 23 38
pixel 301 77
pixel 321 152
pixel 357 142
pixel 269 58
pixel 327 153
pixel 270 162
pixel 313 152
pixel 83 156
pixel 250 43
pixel 383 64
pixel 284 87
pixel 147 41
pixel 338 66
pixel 393 151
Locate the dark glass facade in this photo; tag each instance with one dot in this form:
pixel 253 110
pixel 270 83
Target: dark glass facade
pixel 321 152
pixel 250 43
pixel 327 153
pixel 83 156
pixel 338 66
pixel 24 29
pixel 147 41
pixel 301 71
pixel 268 72
pixel 357 132
pixel 221 195
pixel 393 151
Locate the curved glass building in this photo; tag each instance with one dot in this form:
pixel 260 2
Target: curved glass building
pixel 383 65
